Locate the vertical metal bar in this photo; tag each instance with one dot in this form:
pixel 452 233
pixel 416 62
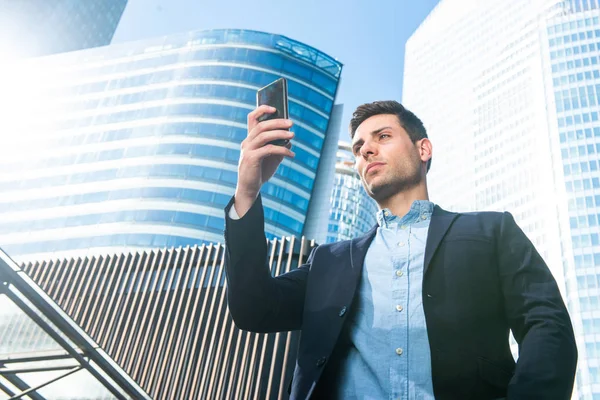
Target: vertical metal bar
pixel 238 362
pixel 147 320
pixel 212 355
pixel 31 269
pixel 278 334
pixel 58 280
pixel 288 335
pixel 250 382
pixel 157 343
pixel 133 336
pixel 203 362
pixel 105 293
pixel 193 360
pixel 247 370
pixel 145 378
pixel 128 311
pixel 96 296
pixel 86 294
pixel 221 321
pixel 182 354
pixel 266 337
pixel 113 291
pixel 223 378
pixel 228 358
pixel 65 286
pixel 242 373
pixel 232 372
pixel 50 281
pixel 46 272
pixel 76 285
pixel 165 343
pixel 114 329
pixel 182 319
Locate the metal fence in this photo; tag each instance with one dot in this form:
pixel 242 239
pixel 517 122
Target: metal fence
pixel 162 316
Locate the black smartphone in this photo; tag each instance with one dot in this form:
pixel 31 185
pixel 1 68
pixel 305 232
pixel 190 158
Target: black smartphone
pixel 275 95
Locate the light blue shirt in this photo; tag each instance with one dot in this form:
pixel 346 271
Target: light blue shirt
pixel 390 357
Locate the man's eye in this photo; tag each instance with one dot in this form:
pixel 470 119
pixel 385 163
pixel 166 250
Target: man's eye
pixel 384 135
pixel 356 149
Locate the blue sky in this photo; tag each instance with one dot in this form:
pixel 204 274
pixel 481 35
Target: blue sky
pixel 368 37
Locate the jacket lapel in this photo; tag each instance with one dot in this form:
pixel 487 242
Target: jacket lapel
pixel 358 250
pixel 441 220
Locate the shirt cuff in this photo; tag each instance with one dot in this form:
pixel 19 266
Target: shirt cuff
pixel 232 213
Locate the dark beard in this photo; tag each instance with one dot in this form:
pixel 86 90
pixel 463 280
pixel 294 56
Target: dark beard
pixel 384 192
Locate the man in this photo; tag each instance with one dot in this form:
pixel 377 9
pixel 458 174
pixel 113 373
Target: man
pixel 420 306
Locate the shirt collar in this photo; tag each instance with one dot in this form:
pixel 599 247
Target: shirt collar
pixel 420 210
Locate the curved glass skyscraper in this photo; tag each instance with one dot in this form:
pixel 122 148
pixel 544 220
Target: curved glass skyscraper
pixel 137 144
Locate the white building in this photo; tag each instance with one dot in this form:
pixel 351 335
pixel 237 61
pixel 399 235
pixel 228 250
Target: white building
pixel 507 90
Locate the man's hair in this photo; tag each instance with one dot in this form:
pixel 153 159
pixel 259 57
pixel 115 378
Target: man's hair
pixel 409 121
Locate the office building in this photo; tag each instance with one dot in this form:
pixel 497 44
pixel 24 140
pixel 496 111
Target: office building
pixel 509 92
pixel 136 145
pixel 31 28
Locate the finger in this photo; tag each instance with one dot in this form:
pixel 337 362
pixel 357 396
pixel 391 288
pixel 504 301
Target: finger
pixel 269 136
pixel 270 125
pixel 272 150
pixel 258 112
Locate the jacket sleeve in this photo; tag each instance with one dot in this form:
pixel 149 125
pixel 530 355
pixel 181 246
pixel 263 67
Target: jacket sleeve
pixel 538 318
pixel 259 302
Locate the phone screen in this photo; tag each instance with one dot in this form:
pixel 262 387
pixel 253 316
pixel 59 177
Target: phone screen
pixel 274 95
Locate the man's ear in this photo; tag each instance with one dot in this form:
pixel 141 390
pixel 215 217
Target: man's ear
pixel 425 149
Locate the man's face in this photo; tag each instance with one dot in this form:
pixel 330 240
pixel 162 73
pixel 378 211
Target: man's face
pixel 387 161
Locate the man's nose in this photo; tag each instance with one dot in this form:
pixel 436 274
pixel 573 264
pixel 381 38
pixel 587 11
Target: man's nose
pixel 368 148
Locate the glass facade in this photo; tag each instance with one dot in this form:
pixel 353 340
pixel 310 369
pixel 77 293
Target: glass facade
pixel 352 212
pixel 574 49
pixel 33 28
pixel 520 133
pixel 137 144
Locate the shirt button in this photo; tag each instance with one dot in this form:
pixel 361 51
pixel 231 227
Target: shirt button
pixel 399 351
pixel 321 361
pixel 423 216
pixel 399 307
pixel 401 244
pixel 342 311
pixel 403 227
pixel 399 273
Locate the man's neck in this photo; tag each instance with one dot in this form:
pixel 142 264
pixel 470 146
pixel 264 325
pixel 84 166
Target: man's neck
pixel 400 203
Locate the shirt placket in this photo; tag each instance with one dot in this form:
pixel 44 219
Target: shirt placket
pixel 398 307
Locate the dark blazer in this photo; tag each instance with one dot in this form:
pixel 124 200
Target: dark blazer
pixel 482 278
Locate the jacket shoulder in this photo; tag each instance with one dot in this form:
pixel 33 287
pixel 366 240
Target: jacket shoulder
pixel 487 223
pixel 336 248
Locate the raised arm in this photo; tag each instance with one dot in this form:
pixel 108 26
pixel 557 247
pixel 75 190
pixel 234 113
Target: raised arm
pixel 257 301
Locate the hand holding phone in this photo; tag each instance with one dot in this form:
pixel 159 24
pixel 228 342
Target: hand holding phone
pixel 275 95
pixel 268 124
